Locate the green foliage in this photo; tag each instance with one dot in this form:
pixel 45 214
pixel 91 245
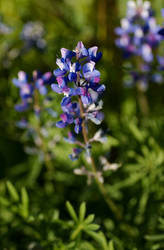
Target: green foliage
pixel 157 240
pixel 22 219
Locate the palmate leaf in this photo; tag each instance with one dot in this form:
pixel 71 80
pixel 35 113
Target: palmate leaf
pixel 18 204
pixel 87 226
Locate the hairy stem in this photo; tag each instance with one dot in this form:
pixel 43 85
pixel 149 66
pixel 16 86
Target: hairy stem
pixel 100 185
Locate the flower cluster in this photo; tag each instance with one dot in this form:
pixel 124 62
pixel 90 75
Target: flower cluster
pixel 78 80
pixel 139 31
pixel 161 58
pixel 4 29
pixel 27 87
pixel 32 34
pixel 139 36
pixel 161 31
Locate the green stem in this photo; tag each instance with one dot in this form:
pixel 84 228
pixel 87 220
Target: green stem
pixel 100 185
pixel 142 101
pixel 48 162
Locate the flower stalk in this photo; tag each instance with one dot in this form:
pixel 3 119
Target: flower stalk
pixel 47 159
pixel 100 185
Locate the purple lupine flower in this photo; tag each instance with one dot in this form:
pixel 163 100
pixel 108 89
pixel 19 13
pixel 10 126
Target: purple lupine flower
pixel 72 114
pixel 80 51
pixel 78 79
pixel 26 91
pixel 157 77
pixel 61 87
pixel 27 87
pixel 78 125
pixel 85 96
pixel 22 107
pixel 96 117
pixel 73 69
pixel 89 54
pixel 65 120
pixel 63 67
pixel 139 36
pixel 4 29
pixel 146 53
pixel 75 155
pixel 23 123
pixel 71 138
pixel 67 54
pixel 138 29
pixel 161 62
pixel 138 8
pixel 93 55
pixel 90 73
pixel 161 31
pixel 41 80
pixel 33 35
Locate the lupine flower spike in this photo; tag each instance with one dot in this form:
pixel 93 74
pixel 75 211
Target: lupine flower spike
pixel 27 88
pixel 33 35
pixel 139 36
pixel 78 79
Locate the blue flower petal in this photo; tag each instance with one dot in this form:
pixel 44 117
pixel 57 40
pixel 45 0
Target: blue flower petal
pixel 65 101
pixel 56 88
pixel 72 77
pixel 61 124
pixel 59 72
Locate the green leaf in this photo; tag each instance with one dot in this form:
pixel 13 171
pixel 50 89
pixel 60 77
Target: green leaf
pixel 111 246
pixel 4 201
pixel 25 202
pixel 100 238
pixel 86 246
pixel 92 227
pixel 155 237
pixel 89 219
pixel 136 132
pixel 35 168
pixel 24 196
pixel 82 211
pixel 13 192
pixel 71 211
